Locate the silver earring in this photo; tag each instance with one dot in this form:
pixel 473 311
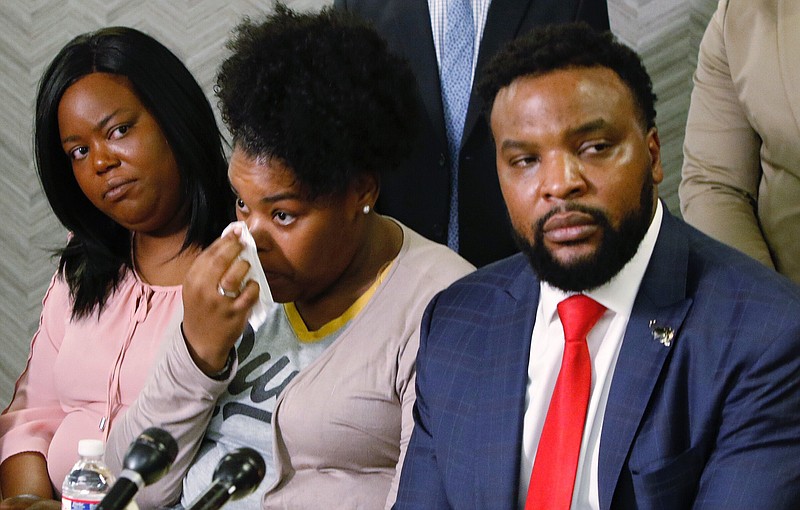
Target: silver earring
pixel 366 209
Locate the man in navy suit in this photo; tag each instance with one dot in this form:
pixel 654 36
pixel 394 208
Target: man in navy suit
pixel 418 194
pixel 695 375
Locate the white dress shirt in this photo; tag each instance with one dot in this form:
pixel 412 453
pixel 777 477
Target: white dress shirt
pixel 604 341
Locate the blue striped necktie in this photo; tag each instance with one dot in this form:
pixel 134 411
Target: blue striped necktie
pixel 456 78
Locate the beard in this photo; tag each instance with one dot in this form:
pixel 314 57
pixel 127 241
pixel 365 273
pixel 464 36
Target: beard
pixel 617 246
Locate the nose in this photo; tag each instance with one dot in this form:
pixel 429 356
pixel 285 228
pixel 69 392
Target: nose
pixel 562 176
pixel 257 225
pixel 103 158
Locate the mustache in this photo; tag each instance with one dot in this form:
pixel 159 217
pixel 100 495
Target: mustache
pixel 597 214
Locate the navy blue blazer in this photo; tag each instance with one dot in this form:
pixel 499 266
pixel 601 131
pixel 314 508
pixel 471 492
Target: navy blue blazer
pixel 710 421
pixel 418 193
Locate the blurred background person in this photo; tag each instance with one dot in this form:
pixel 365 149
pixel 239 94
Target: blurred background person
pixel 320 113
pixel 131 161
pixel 448 190
pixel 741 172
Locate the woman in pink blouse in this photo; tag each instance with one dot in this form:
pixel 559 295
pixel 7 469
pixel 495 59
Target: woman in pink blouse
pixel 131 161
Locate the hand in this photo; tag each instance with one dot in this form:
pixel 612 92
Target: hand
pixel 30 502
pixel 212 322
pixel 24 478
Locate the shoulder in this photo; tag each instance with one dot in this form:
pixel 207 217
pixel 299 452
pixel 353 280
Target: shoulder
pixel 496 286
pixel 58 291
pixel 420 270
pixel 735 296
pixel 423 260
pixel 737 10
pixel 57 302
pixel 500 275
pixel 369 9
pixel 717 267
pixel 595 14
pixel 744 24
pixel 744 318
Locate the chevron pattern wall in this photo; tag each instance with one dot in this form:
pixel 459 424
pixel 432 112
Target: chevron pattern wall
pixel 665 32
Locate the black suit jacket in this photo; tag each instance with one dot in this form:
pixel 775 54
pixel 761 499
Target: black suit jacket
pixel 418 194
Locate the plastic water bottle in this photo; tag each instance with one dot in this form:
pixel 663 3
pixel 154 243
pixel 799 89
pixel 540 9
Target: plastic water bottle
pixel 89 480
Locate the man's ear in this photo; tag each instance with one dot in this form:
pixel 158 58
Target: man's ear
pixel 654 148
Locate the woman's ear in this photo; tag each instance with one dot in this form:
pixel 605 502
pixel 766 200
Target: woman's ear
pixel 365 189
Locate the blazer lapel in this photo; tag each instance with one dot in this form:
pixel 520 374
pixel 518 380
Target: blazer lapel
pixel 503 22
pixel 413 21
pixel 503 374
pixel 788 19
pixel 660 309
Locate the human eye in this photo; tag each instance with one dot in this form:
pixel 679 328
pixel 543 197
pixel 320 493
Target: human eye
pixel 595 147
pixel 119 131
pixel 283 218
pixel 524 160
pixel 78 153
pixel 240 205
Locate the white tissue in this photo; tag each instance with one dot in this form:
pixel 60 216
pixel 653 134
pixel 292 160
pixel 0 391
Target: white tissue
pixel 256 273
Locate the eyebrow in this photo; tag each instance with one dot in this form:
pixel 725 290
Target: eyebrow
pixel 588 127
pixel 513 144
pixel 100 125
pixel 273 198
pixel 583 129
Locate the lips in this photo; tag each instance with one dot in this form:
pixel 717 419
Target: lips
pixel 569 227
pixel 117 187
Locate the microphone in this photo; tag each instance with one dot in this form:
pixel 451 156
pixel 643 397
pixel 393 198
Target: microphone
pixel 237 475
pixel 148 458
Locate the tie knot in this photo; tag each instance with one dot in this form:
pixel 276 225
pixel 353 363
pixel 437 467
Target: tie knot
pixel 578 315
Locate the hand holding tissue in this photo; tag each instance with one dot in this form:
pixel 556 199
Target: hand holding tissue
pixel 256 273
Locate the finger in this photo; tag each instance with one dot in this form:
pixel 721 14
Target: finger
pixel 224 251
pixel 212 263
pixel 248 297
pixel 232 281
pixel 237 308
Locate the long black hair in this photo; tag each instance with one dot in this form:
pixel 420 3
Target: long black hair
pixel 98 251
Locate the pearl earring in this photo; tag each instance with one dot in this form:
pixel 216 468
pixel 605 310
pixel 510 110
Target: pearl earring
pixel 366 209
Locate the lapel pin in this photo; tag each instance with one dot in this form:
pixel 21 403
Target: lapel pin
pixel 664 334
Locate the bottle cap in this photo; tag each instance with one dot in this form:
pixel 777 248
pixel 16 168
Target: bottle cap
pixel 90 448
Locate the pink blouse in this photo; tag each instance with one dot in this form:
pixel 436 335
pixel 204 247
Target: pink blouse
pixel 82 374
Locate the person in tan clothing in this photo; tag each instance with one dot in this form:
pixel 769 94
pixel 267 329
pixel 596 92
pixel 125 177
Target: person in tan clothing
pixel 324 389
pixel 741 171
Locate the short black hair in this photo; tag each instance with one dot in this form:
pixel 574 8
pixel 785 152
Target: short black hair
pixel 564 46
pixel 99 248
pixel 321 93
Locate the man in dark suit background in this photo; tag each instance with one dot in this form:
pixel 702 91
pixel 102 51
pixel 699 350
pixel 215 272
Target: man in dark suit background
pixel 419 193
pixel 693 397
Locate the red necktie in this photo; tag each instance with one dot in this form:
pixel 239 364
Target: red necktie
pixel 553 475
